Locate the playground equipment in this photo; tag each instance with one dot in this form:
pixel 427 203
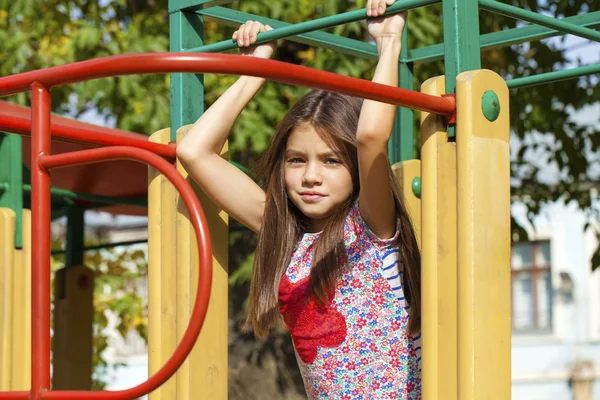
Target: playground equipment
pixel 464 207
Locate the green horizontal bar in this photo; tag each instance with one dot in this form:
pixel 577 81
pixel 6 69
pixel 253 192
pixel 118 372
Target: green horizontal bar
pixel 104 246
pixel 193 5
pixel 314 25
pixel 553 76
pixel 319 39
pixel 68 194
pixel 530 16
pixel 507 37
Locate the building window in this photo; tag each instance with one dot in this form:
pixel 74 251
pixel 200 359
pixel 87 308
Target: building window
pixel 531 287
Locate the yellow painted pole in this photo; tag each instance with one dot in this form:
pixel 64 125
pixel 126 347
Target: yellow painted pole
pixel 73 318
pixel 438 255
pixel 162 274
pixel 483 187
pixel 7 254
pixel 21 351
pixel 205 373
pixel 173 278
pixel 20 302
pixel 404 173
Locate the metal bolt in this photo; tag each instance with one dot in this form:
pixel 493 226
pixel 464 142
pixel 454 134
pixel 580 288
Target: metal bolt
pixel 416 187
pixel 490 105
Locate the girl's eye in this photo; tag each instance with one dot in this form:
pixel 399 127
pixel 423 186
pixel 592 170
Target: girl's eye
pixel 295 160
pixel 333 161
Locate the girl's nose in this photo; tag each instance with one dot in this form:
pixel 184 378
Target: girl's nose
pixel 312 175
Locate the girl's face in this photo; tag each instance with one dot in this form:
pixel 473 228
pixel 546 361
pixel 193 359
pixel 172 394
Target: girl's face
pixel 316 178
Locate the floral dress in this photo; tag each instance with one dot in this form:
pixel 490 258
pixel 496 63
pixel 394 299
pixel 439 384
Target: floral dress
pixel 357 345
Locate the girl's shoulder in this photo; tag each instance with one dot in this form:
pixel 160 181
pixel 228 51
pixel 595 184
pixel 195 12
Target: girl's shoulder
pixel 356 230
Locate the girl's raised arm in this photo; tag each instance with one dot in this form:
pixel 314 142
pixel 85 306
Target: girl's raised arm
pixel 232 190
pixel 376 122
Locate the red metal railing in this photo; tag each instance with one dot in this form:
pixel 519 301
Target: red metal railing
pixel 225 64
pixel 205 277
pixel 40 82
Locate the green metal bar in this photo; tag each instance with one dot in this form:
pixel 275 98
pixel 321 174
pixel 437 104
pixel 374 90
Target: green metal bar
pixel 103 246
pixel 314 25
pixel 530 16
pixel 506 38
pixel 192 5
pixel 4 186
pixel 318 39
pixel 461 38
pixel 11 175
pixel 75 236
pixel 401 144
pixel 187 90
pixel 133 201
pixel 555 76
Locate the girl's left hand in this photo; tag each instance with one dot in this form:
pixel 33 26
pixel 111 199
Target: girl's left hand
pixel 382 27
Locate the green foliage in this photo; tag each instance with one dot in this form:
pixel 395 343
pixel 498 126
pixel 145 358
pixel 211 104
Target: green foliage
pixel 35 35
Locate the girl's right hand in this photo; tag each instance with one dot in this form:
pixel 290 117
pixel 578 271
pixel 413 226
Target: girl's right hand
pixel 246 35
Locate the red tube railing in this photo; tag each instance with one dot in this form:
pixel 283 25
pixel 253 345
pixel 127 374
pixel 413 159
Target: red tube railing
pixel 70 134
pixel 40 82
pixel 225 64
pixel 205 276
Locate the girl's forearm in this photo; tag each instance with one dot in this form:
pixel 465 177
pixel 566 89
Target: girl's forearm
pixel 377 118
pixel 210 131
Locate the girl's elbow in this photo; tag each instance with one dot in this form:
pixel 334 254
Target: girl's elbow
pixel 183 153
pixel 371 137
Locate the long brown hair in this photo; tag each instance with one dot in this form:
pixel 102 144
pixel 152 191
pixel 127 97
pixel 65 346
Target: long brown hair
pixel 335 118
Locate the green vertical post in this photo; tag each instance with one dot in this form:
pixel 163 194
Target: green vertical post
pixel 461 41
pixel 11 176
pixel 401 144
pixel 187 90
pixel 75 236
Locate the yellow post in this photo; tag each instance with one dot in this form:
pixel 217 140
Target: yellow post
pixel 173 278
pixel 7 255
pixel 205 372
pixel 483 187
pixel 438 255
pixel 405 172
pixel 15 284
pixel 73 318
pixel 21 361
pixel 162 274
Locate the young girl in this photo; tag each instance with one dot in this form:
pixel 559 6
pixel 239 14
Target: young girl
pixel 336 254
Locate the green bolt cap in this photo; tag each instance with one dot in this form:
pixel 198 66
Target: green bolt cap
pixel 490 104
pixel 416 186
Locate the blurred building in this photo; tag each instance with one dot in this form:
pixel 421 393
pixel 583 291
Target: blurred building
pixel 555 309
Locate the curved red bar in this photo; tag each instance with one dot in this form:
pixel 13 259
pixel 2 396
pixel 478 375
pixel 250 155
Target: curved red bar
pixel 205 254
pixel 69 134
pixel 225 64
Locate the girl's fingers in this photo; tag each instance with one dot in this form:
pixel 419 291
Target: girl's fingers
pixel 381 7
pixel 374 8
pixel 390 2
pixel 247 32
pixel 240 35
pixel 256 27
